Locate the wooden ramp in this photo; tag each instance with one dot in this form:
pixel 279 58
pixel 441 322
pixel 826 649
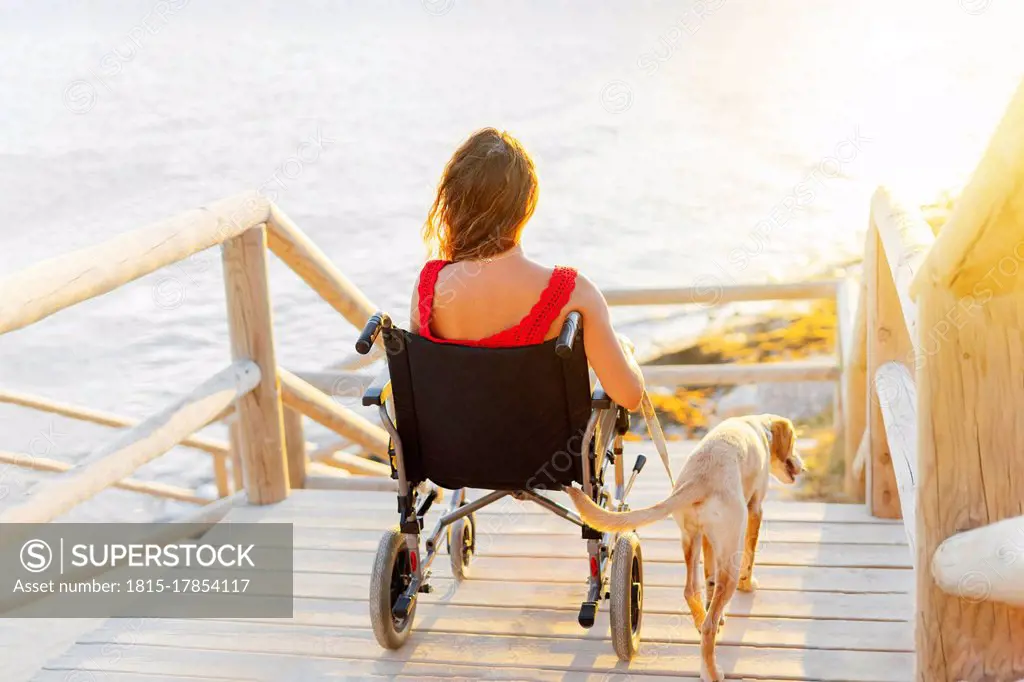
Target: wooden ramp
pixel 834 604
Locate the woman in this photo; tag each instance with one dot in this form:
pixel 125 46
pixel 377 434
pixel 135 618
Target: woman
pixel 484 291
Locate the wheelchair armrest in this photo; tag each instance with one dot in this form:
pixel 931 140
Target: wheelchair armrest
pixel 600 400
pixel 379 391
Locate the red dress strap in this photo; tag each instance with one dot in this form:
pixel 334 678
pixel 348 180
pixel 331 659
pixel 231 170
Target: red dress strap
pixel 428 278
pixel 546 310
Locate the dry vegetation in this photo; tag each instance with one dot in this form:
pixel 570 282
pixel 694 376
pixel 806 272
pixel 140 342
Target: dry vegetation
pixel 786 333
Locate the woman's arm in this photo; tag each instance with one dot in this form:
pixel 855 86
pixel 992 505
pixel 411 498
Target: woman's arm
pixel 414 309
pixel 613 363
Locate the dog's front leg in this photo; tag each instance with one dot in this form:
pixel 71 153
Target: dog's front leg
pixel 747 581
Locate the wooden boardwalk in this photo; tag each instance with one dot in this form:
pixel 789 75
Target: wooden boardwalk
pixel 834 604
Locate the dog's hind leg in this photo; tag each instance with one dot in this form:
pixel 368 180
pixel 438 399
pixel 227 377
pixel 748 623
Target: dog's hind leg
pixel 709 575
pixel 747 581
pixel 691 551
pixel 726 540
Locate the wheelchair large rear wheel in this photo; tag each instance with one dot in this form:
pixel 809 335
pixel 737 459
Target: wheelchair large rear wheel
pixel 462 545
pixel 627 596
pixel 392 573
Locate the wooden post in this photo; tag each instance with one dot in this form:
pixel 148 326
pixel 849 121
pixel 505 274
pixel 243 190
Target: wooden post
pixel 260 423
pixel 887 340
pixel 855 372
pixel 970 296
pixel 235 439
pixel 295 447
pixel 971 464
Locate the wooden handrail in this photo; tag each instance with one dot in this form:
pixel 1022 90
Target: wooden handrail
pixel 733 373
pixel 897 397
pixel 150 438
pixel 907 240
pixel 169 492
pixel 303 397
pixel 87 414
pixel 219 449
pixel 338 383
pixel 887 340
pixel 984 230
pixel 356 465
pixel 982 564
pixel 298 252
pixel 42 289
pixel 714 294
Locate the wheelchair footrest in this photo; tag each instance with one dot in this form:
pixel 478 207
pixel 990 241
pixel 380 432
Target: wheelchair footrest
pixel 588 614
pixel 403 606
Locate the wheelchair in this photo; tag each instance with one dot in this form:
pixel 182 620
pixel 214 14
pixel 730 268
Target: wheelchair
pixel 512 421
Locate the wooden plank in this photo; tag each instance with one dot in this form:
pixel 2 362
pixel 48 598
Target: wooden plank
pixel 212 445
pixel 573 570
pixel 42 289
pixel 319 407
pixel 61 675
pixel 578 655
pixel 339 481
pixel 567 597
pixel 295 448
pixel 512 620
pixel 151 438
pixel 298 252
pixel 887 341
pixel 549 524
pixel 707 295
pixel 250 324
pixel 154 488
pixel 267 667
pixel 812 512
pixel 777 553
pixel 897 396
pixel 732 374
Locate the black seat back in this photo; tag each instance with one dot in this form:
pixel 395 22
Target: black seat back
pixel 493 418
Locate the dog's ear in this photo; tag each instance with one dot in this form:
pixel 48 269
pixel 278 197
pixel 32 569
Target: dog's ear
pixel 782 438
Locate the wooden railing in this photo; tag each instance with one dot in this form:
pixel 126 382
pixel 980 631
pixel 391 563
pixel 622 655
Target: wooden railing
pixel 935 389
pixel 262 403
pixel 267 453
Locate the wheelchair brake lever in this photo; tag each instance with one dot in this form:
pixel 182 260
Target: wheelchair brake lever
pixel 641 460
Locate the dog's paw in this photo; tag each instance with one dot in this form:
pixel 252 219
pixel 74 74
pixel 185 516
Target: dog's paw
pixel 747 584
pixel 711 675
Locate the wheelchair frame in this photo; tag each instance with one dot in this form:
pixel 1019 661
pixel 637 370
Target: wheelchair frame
pixel 607 426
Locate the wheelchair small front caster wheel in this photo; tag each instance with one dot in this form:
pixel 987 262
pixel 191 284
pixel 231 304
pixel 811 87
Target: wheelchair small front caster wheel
pixel 461 545
pixel 391 610
pixel 627 598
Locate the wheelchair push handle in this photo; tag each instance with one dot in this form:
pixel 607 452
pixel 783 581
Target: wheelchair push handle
pixel 369 334
pixel 567 337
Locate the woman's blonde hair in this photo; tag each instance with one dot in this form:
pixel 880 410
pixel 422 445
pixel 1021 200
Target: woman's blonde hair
pixel 487 193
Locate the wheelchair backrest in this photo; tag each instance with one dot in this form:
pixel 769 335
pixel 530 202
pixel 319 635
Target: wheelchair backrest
pixel 492 418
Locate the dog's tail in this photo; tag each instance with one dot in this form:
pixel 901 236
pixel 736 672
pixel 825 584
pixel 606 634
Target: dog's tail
pixel 602 519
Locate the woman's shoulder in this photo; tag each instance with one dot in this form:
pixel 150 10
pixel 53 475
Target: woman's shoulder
pixel 585 294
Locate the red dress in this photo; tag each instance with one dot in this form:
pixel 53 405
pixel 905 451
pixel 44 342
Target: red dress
pixel 530 330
